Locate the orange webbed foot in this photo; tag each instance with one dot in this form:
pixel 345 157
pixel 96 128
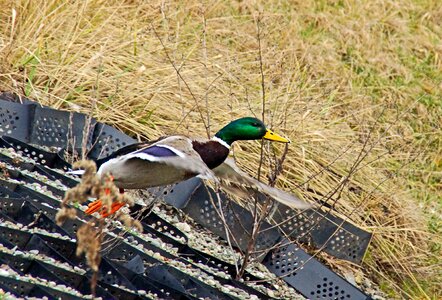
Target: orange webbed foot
pixel 97 206
pixel 94 207
pixel 114 208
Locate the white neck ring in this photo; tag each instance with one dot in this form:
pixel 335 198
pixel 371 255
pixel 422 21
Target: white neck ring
pixel 217 139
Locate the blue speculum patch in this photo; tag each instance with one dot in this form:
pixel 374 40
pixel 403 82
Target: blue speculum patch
pixel 158 151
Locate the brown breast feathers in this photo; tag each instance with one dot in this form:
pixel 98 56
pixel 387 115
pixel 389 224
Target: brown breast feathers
pixel 212 153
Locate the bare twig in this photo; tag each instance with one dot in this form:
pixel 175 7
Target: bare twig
pixel 263 90
pixel 206 75
pixel 184 81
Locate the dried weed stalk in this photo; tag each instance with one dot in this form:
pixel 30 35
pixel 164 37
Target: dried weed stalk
pixel 4 173
pixel 91 186
pixel 89 240
pixel 90 235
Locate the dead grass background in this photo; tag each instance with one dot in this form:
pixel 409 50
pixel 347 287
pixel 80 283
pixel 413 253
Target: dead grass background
pixel 341 77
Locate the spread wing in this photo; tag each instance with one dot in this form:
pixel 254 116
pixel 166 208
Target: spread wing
pixel 175 151
pixel 231 175
pixel 165 161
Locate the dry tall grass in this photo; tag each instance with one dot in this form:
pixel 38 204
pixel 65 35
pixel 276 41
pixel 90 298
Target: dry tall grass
pixel 341 77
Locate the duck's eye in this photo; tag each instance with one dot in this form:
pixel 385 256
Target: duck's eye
pixel 255 124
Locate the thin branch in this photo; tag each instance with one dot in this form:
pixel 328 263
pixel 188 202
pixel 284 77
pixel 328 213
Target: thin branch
pixel 185 82
pixel 206 75
pixel 263 90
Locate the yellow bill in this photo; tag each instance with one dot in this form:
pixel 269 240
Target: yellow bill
pixel 271 136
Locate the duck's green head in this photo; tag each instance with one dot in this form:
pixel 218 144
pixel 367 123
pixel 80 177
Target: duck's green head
pixel 248 129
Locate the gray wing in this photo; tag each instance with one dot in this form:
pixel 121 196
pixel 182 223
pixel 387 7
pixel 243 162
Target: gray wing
pixel 164 162
pixel 174 151
pixel 229 173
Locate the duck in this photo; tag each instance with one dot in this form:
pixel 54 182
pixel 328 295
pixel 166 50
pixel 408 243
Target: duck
pixel 176 158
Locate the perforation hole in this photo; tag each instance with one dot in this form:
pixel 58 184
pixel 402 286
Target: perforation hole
pixel 59 247
pixel 285 262
pixel 13 238
pixel 110 278
pixel 353 251
pixel 50 130
pixel 211 215
pixel 167 191
pixel 7 121
pixel 107 144
pixel 297 224
pixel 328 290
pixel 345 243
pixel 65 276
pixel 7 208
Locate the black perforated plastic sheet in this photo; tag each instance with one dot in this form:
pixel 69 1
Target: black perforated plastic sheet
pixel 21 205
pixel 205 207
pixel 310 277
pixel 324 231
pixel 32 123
pixel 15 119
pixel 29 122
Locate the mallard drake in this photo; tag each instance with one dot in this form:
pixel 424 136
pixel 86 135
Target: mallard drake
pixel 176 158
